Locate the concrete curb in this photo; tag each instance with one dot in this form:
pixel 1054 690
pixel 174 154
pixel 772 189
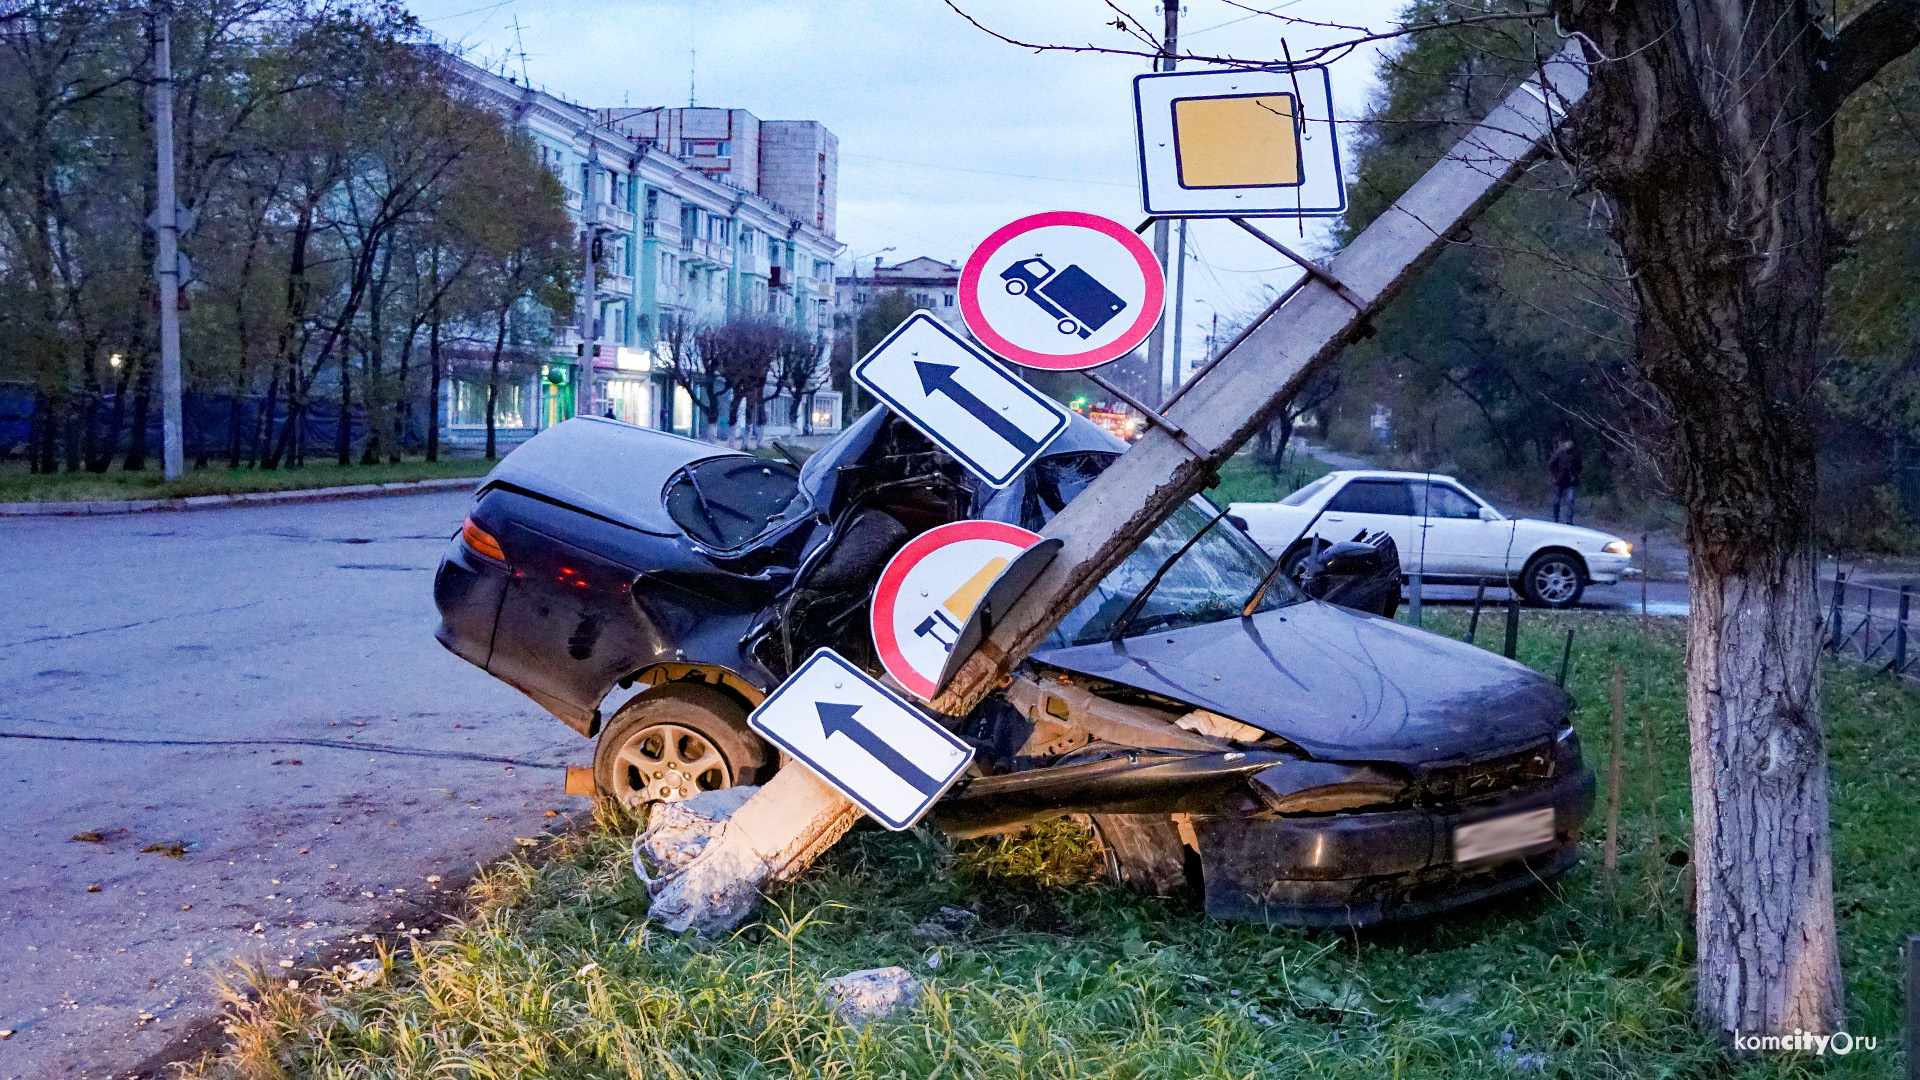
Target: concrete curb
pixel 218 502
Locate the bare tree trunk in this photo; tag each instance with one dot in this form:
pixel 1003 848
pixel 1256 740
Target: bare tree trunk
pixel 493 379
pixel 343 439
pixel 433 396
pixel 1713 139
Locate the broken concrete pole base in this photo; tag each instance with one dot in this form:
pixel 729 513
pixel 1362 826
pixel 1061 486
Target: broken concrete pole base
pixel 861 997
pixel 706 859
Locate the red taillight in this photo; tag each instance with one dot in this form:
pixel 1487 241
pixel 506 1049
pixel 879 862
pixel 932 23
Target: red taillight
pixel 481 541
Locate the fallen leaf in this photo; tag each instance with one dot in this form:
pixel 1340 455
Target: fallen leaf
pixel 290 761
pixel 93 888
pixel 526 841
pixel 551 813
pixel 89 837
pixel 174 850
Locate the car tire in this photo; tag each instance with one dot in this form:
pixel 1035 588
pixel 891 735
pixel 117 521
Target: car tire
pixel 1144 853
pixel 1068 326
pixel 1016 287
pixel 1294 562
pixel 676 741
pixel 1553 579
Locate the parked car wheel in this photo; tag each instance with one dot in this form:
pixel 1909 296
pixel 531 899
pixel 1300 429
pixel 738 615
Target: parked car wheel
pixel 1553 579
pixel 676 741
pixel 1294 562
pixel 1015 287
pixel 1068 326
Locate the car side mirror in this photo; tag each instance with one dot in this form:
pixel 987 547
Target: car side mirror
pixel 1488 513
pixel 1350 559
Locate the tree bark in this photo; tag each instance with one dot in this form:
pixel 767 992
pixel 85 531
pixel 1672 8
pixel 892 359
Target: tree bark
pixel 1714 142
pixel 433 396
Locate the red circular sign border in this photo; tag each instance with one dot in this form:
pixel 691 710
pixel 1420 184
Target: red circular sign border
pixel 903 561
pixel 1143 325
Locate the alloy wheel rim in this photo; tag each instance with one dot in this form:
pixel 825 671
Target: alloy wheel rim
pixel 669 763
pixel 1555 581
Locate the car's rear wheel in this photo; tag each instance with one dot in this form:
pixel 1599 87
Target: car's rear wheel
pixel 1553 579
pixel 676 741
pixel 1015 287
pixel 1068 326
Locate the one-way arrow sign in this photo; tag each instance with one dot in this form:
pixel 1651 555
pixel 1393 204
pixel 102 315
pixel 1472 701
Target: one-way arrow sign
pixel 862 738
pixel 973 408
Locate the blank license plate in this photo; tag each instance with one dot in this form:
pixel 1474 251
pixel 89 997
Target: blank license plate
pixel 1503 835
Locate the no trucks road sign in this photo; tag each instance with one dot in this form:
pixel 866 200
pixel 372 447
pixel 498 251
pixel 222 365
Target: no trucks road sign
pixel 1062 291
pixel 862 738
pixel 928 593
pixel 987 417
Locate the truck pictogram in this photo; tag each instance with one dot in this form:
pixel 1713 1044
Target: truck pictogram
pixel 1072 296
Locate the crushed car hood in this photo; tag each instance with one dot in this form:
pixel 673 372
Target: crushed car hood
pixel 1341 686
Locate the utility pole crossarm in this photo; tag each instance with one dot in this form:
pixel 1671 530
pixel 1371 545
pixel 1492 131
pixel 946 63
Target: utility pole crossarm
pixel 1230 403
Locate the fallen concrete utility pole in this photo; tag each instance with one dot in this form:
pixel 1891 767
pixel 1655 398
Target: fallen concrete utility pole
pixel 796 816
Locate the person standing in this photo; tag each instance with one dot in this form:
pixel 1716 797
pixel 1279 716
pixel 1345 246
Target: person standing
pixel 1564 467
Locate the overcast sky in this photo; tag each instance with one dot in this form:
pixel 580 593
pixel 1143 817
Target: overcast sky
pixel 945 133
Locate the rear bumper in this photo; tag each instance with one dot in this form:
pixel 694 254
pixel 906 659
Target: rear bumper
pixel 1363 869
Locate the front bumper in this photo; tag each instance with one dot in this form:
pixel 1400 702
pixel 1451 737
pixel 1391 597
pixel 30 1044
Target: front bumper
pixel 1361 869
pixel 1606 568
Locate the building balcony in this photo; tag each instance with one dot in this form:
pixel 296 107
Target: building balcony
pixel 613 284
pixel 710 252
pixel 615 218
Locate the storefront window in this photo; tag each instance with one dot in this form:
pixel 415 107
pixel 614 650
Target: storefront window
pixel 630 400
pixel 470 404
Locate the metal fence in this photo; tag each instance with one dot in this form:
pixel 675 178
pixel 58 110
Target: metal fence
pixel 1869 623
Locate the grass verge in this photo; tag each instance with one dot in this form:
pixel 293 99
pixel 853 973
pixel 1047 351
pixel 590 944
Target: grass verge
pixel 1056 974
pixel 19 485
pixel 1245 478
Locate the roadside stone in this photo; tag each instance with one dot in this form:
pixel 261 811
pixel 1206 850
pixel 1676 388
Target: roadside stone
pixel 861 997
pixel 362 973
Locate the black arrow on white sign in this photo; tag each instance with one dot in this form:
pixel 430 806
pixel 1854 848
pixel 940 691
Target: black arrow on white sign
pixel 939 379
pixel 840 718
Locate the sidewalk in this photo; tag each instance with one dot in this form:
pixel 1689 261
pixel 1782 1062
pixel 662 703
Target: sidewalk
pixel 216 502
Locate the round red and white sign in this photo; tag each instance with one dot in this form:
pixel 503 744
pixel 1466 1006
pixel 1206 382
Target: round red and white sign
pixel 929 589
pixel 1062 291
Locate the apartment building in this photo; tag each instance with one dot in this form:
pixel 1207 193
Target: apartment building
pixel 701 215
pixel 927 282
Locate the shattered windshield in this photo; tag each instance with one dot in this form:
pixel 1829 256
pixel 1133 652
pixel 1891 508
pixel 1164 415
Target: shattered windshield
pixel 1212 581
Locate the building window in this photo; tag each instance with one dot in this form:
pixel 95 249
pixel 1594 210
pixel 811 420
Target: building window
pixel 629 400
pixel 470 404
pixel 947 300
pixel 723 149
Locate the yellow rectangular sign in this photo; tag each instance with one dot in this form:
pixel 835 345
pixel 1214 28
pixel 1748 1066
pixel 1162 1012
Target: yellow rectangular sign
pixel 1237 140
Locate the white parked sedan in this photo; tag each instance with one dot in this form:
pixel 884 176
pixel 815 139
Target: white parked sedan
pixel 1446 533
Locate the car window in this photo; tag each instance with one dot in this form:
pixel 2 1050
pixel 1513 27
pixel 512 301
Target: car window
pixel 1211 582
pixel 1443 501
pixel 726 501
pixel 1299 498
pixel 1372 497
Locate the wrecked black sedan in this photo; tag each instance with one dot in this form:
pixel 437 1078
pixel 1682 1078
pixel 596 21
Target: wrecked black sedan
pixel 1291 760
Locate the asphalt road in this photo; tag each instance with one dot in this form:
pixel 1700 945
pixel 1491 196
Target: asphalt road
pixel 260 687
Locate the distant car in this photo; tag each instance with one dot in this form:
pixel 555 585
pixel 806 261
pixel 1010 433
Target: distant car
pixel 1291 760
pixel 1444 531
